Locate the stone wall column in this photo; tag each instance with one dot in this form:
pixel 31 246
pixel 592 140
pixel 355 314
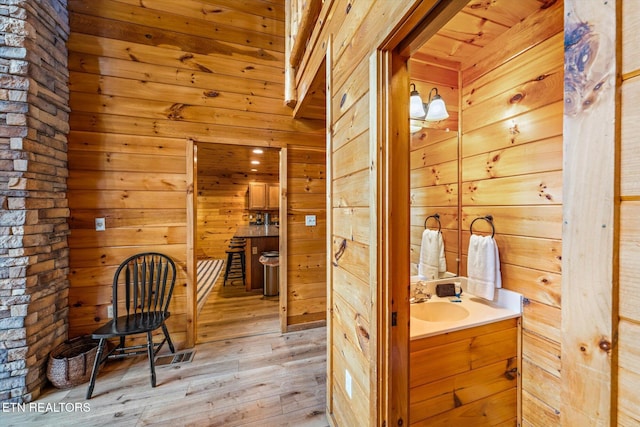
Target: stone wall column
pixel 34 254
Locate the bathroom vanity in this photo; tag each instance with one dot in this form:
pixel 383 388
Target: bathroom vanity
pixel 464 359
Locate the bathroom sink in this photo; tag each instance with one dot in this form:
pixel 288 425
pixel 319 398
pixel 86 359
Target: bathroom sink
pixel 439 311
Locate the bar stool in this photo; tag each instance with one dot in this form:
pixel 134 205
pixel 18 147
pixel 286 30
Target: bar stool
pixel 235 268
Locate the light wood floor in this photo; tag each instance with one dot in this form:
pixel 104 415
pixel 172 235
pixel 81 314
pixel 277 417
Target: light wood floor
pixel 266 380
pixel 231 312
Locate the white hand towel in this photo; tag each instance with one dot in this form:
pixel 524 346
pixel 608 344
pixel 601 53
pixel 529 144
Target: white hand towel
pixel 483 267
pixel 432 260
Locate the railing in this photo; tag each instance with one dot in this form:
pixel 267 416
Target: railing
pixel 302 16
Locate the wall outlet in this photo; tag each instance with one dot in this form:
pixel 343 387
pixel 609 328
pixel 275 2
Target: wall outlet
pixel 110 311
pixel 254 250
pixel 100 225
pixel 310 220
pixel 347 383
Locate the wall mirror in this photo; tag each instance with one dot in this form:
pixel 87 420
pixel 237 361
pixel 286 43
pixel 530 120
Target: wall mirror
pixel 434 164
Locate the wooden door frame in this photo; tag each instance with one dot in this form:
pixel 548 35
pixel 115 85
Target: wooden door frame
pixel 192 226
pixel 390 139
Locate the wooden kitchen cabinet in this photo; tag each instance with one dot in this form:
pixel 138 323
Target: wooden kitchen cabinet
pixel 257 195
pixel 264 196
pixel 273 199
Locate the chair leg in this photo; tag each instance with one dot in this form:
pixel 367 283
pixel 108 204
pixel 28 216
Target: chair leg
pixel 96 367
pixel 226 270
pixel 152 362
pixel 166 335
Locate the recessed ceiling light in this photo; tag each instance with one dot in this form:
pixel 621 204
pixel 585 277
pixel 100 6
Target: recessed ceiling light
pixel 254 170
pixel 258 150
pixel 255 162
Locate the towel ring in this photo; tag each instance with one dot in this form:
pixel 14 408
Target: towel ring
pixel 489 219
pixel 436 217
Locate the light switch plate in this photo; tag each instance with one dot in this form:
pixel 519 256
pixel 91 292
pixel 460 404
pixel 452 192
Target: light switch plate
pixel 100 224
pixel 310 220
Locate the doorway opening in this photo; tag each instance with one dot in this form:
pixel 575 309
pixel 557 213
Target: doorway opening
pixel 224 209
pixel 426 56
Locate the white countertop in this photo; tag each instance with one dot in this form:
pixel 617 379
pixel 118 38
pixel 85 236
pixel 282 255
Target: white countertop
pixel 507 305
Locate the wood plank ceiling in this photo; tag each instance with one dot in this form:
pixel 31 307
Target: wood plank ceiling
pixel 222 159
pixel 475 26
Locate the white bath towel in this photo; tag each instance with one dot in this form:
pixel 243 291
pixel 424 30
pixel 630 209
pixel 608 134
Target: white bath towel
pixel 483 267
pixel 432 261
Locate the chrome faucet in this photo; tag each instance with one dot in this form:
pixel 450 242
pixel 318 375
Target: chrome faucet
pixel 419 295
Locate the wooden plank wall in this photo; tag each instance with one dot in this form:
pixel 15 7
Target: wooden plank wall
pixel 434 164
pixel 146 78
pixel 306 245
pixel 356 30
pixel 629 270
pixel 512 103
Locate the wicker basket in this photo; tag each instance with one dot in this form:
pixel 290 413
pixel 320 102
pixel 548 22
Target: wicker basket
pixel 70 363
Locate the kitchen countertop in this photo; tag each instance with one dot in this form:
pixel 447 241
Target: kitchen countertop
pixel 251 231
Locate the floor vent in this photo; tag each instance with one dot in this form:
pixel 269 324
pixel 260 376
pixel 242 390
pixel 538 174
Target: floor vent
pixel 178 357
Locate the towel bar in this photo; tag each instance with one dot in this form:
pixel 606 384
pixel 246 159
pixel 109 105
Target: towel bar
pixel 489 219
pixel 436 217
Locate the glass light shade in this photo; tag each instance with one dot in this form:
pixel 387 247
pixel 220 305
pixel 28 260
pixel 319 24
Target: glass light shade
pixel 436 110
pixel 416 107
pixel 414 126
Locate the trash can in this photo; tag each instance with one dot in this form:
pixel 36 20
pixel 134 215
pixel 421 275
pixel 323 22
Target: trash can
pixel 271 261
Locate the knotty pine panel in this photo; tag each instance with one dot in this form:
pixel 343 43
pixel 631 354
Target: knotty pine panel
pixel 126 143
pixel 538 64
pixel 138 95
pixel 352 124
pixel 629 375
pixel 353 344
pixel 529 189
pixel 124 162
pixel 127 218
pixel 514 101
pixel 542 352
pixel 167 74
pixel 110 257
pixel 630 160
pixel 542 319
pixel 534 125
pixel 86 179
pixel 512 169
pixel 529 32
pixel 630 260
pixel 352 190
pixel 200 131
pixel 352 91
pixel 628 371
pixel 434 174
pixel 350 159
pixel 195 18
pixel 113 48
pixel 540 156
pixel 306 246
pixel 538 413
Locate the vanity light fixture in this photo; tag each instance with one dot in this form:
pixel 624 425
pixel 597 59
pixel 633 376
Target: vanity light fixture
pixel 432 111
